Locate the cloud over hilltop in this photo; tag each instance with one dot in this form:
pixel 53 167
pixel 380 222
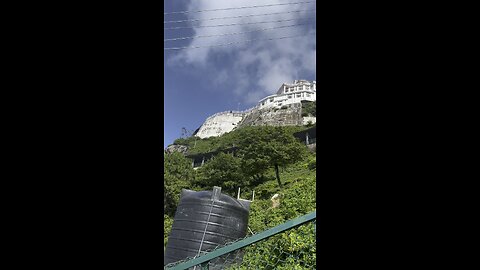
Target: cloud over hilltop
pixel 250 70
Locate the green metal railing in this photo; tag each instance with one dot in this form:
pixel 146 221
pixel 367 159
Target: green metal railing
pixel 280 247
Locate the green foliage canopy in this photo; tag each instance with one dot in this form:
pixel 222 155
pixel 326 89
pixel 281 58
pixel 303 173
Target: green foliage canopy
pixel 224 170
pixel 265 147
pixel 178 174
pixel 309 108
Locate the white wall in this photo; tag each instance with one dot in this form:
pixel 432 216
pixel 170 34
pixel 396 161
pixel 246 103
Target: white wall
pixel 219 124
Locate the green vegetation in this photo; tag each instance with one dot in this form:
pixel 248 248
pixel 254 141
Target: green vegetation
pixel 265 147
pixel 225 171
pixel 178 173
pixel 265 154
pixel 309 108
pixel 296 246
pixel 226 141
pixel 167 227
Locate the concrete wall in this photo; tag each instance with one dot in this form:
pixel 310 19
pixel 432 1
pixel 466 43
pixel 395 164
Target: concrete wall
pixel 273 116
pixel 219 124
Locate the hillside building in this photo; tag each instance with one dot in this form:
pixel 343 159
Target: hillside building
pixel 223 122
pixel 300 90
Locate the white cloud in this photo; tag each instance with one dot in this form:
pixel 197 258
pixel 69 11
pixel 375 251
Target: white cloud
pixel 257 68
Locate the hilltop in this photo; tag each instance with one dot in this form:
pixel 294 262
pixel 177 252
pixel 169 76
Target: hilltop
pixel 196 145
pixel 285 108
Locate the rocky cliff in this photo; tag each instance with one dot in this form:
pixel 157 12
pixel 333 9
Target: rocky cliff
pixel 287 115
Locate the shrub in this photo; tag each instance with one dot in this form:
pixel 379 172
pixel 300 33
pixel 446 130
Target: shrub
pixel 167 227
pixel 312 163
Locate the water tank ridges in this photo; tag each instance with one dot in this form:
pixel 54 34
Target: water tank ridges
pixel 203 221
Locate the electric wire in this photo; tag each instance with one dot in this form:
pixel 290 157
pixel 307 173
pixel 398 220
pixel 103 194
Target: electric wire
pixel 231 8
pixel 221 25
pixel 235 33
pixel 236 42
pixel 243 16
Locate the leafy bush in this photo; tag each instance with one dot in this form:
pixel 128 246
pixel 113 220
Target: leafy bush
pixel 178 173
pixel 167 228
pixel 312 163
pixel 224 171
pixel 309 108
pixel 294 249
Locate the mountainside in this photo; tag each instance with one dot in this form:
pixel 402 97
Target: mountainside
pixel 269 161
pixel 297 197
pixel 294 114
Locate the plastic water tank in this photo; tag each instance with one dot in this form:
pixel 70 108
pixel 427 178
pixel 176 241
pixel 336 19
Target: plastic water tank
pixel 204 220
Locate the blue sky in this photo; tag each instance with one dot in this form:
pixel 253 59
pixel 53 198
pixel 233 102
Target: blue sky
pixel 200 82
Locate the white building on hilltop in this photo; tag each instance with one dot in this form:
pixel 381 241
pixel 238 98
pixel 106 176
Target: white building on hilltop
pixel 299 91
pixel 223 122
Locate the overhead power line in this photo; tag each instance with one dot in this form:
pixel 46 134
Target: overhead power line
pixel 220 25
pixel 244 16
pixel 218 9
pixel 236 42
pixel 237 33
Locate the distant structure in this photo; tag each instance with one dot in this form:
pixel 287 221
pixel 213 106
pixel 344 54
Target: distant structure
pixel 294 93
pixel 297 92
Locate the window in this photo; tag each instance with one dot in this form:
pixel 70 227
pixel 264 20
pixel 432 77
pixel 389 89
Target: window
pixel 299 95
pixel 308 94
pixel 289 96
pixel 271 100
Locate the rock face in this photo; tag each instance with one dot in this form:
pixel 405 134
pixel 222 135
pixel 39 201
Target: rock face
pixel 275 201
pixel 224 122
pixel 219 124
pixel 176 148
pixel 309 120
pixel 288 115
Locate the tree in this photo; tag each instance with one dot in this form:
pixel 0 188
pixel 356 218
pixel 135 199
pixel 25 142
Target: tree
pixel 265 147
pixel 178 174
pixel 223 170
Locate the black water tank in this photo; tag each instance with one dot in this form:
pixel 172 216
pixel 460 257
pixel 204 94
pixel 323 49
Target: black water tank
pixel 203 221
